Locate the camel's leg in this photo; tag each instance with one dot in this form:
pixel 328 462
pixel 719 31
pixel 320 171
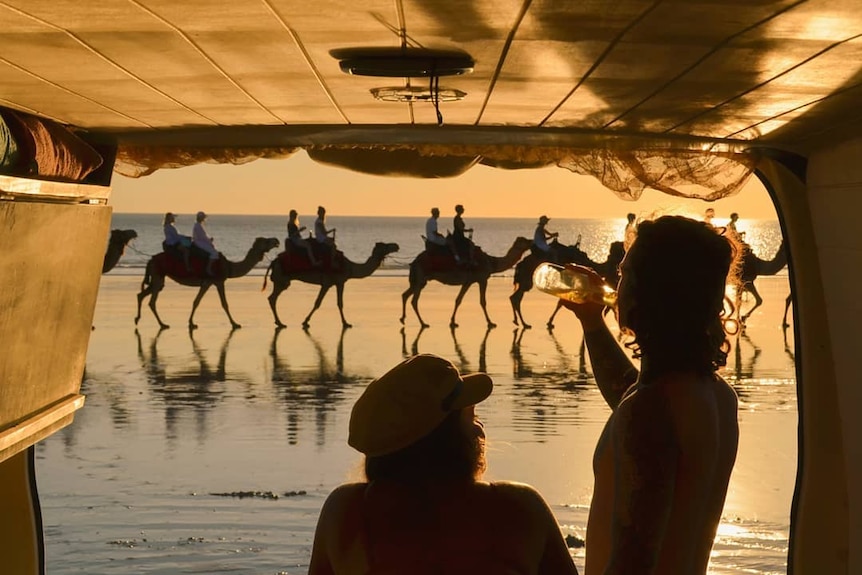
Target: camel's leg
pixel 222 296
pixel 320 295
pixel 458 299
pixel 483 301
pixel 277 288
pixel 557 308
pixel 757 301
pixel 203 289
pixel 414 303
pixel 515 299
pixel 143 294
pixel 407 293
pixel 787 303
pixel 156 288
pixel 339 292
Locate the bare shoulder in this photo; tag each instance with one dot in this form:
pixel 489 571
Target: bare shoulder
pixel 521 494
pixel 342 498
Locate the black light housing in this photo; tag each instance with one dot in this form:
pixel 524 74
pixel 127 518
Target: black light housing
pixel 394 62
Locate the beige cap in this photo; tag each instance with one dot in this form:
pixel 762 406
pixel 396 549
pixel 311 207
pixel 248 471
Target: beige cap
pixel 409 401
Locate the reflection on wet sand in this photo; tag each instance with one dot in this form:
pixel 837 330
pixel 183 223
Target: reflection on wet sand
pixel 546 395
pixel 463 363
pixel 196 386
pixel 318 390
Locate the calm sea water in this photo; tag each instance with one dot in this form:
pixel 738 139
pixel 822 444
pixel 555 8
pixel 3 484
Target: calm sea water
pixel 178 423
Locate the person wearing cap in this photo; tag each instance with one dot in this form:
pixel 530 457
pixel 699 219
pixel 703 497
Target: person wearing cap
pixel 424 507
pixel 202 240
pixel 663 462
pixel 541 237
pixel 174 241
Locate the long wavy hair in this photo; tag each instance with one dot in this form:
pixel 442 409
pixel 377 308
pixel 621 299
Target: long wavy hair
pixel 678 270
pixel 447 453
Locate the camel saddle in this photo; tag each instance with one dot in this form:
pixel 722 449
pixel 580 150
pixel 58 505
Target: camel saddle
pixel 438 258
pixel 294 259
pixel 173 265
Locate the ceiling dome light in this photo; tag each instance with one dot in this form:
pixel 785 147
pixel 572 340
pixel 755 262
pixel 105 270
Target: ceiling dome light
pixel 403 62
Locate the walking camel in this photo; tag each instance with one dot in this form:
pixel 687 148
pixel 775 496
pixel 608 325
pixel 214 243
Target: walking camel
pixel 752 267
pixel 164 265
pixel 523 279
pixel 427 267
pixel 289 266
pixel 116 246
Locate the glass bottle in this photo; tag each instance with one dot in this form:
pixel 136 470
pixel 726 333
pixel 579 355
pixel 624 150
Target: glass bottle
pixel 572 285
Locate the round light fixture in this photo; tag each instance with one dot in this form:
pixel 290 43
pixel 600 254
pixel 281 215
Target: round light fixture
pixel 397 62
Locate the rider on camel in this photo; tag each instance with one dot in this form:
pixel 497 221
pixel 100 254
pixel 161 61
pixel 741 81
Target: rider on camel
pixel 321 234
pixel 204 241
pixel 174 241
pixel 541 237
pixel 294 237
pixel 463 244
pixel 434 240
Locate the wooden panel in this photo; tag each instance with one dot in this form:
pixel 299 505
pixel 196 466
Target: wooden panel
pixel 50 264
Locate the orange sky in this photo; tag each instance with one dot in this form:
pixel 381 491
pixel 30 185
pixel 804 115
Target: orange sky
pixel 276 186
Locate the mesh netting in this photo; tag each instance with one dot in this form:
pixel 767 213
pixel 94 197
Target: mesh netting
pixel 680 171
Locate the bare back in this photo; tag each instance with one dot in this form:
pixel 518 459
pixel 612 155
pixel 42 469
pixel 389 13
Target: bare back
pixel 498 528
pixel 662 467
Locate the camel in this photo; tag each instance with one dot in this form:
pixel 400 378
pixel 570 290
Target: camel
pixel 752 267
pixel 422 270
pixel 165 265
pixel 523 279
pixel 288 267
pixel 116 246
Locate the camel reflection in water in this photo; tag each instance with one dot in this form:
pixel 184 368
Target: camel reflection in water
pixel 316 389
pixel 197 387
pixel 462 362
pixel 547 388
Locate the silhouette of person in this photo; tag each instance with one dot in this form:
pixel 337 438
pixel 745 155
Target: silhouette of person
pixel 174 241
pixel 541 237
pixel 432 235
pixel 630 232
pixel 294 237
pixel 202 240
pixel 708 215
pixel 463 244
pixel 663 462
pixel 322 235
pixel 424 507
pixel 731 225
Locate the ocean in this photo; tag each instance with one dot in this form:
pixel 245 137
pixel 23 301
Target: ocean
pixel 212 451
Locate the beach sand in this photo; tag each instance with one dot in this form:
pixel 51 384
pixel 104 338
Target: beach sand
pixel 173 417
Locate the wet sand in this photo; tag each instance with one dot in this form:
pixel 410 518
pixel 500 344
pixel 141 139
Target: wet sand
pixel 174 418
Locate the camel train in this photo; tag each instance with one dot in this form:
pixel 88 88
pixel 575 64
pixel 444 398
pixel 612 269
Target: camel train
pixel 294 265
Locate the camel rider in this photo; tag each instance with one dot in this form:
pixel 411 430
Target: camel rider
pixel 322 235
pixel 463 244
pixel 174 241
pixel 294 237
pixel 541 237
pixel 203 241
pixel 434 240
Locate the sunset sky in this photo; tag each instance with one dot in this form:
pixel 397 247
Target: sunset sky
pixel 276 186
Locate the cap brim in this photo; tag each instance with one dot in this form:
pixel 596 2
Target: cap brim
pixel 477 388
